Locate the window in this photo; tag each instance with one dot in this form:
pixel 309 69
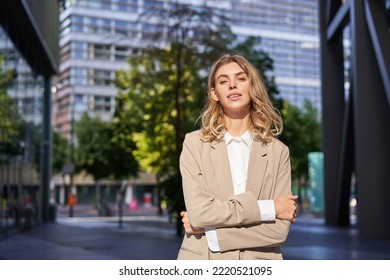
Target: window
pixel 65 52
pixel 121 53
pixel 105 26
pixel 77 49
pixel 80 104
pixel 92 25
pixel 150 31
pixel 102 103
pixel 77 24
pixel 100 77
pixel 78 76
pixel 121 27
pixel 102 52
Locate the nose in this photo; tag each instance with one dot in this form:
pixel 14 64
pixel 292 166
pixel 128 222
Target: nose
pixel 232 84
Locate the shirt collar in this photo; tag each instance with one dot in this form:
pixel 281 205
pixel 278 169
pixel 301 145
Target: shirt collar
pixel 246 137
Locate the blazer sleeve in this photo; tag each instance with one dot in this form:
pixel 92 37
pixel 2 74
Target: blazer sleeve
pixel 245 237
pixel 267 234
pixel 205 209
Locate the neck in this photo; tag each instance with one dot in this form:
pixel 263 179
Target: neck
pixel 237 127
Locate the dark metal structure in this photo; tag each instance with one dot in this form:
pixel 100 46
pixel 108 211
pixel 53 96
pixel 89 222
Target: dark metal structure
pixel 32 25
pixel 356 124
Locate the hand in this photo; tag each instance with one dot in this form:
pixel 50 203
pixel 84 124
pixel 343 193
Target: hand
pixel 187 226
pixel 286 207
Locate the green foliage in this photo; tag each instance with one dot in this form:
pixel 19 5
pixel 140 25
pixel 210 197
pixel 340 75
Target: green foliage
pixel 121 157
pixel 302 133
pixel 10 123
pixel 159 102
pixel 60 148
pixel 93 141
pixel 157 106
pixel 102 152
pixel 60 152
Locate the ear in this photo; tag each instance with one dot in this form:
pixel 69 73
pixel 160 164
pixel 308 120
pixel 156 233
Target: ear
pixel 214 95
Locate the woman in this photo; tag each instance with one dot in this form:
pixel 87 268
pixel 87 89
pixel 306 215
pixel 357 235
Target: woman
pixel 236 174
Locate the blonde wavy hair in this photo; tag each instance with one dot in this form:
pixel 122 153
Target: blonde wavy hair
pixel 265 121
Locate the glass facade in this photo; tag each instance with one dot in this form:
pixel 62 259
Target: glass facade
pixel 20 134
pixel 89 38
pixel 25 88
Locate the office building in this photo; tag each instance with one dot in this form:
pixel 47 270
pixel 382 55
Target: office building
pixel 26 88
pixel 97 36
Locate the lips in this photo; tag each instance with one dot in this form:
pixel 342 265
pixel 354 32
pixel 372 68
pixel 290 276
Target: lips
pixel 234 96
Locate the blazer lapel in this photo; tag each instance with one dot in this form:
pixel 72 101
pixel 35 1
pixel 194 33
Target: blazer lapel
pixel 258 161
pixel 220 161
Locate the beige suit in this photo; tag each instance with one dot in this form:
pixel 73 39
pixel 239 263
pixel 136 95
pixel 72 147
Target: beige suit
pixel 210 202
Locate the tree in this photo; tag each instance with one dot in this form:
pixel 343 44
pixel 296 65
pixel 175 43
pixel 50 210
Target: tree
pixel 302 133
pixel 61 148
pixel 10 123
pixel 92 149
pixel 102 152
pixel 159 110
pixel 61 151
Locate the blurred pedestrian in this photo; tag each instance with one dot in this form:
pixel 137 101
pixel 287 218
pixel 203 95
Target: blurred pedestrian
pixel 236 173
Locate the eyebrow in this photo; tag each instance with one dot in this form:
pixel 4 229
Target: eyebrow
pixel 225 76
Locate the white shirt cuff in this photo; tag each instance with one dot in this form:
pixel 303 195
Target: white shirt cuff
pixel 212 239
pixel 267 210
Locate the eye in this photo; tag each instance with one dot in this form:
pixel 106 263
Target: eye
pixel 222 82
pixel 242 79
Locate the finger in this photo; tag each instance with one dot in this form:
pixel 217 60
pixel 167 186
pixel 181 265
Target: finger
pixel 184 218
pixel 293 219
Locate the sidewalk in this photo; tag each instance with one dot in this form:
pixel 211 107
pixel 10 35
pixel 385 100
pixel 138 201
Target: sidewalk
pixel 147 236
pixel 311 239
pixel 86 236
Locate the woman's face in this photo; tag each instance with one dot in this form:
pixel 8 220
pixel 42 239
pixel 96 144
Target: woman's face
pixel 232 89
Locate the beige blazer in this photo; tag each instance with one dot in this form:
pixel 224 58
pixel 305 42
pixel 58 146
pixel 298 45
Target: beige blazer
pixel 210 202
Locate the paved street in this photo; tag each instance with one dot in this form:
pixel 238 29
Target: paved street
pixel 147 236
